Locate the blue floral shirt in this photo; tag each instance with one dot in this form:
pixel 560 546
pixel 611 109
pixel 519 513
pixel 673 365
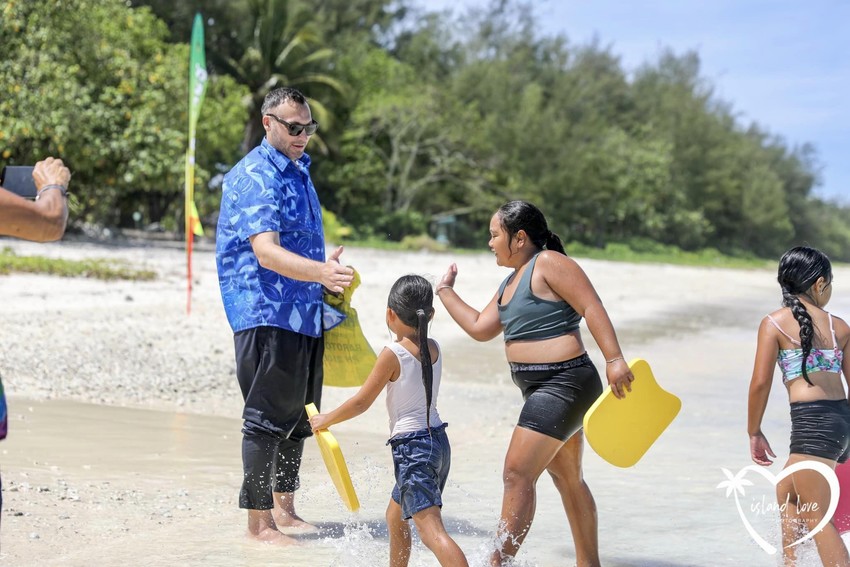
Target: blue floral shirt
pixel 4 421
pixel 268 192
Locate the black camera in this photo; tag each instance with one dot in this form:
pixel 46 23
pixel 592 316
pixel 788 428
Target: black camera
pixel 18 179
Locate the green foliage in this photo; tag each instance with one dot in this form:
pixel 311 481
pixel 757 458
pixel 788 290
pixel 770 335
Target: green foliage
pixel 424 118
pixel 95 83
pixel 410 157
pixel 647 251
pixel 335 231
pixel 399 225
pixel 610 159
pixel 282 47
pixel 225 23
pixel 422 242
pixel 92 268
pixel 221 125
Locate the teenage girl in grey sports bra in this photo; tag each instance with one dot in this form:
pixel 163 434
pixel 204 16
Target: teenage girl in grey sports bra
pixel 538 307
pixel 810 347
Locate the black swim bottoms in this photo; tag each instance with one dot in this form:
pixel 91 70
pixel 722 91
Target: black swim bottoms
pixel 557 394
pixel 821 429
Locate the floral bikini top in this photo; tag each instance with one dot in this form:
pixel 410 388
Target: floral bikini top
pixel 790 360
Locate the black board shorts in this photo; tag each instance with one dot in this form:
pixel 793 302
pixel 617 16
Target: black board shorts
pixel 821 428
pixel 557 394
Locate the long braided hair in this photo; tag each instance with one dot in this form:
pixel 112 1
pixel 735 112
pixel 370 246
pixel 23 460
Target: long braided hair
pixel 799 269
pixel 522 215
pixel 412 300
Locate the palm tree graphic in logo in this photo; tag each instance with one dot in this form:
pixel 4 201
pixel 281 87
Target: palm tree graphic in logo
pixel 735 483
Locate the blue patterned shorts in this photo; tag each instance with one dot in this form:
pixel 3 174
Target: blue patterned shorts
pixel 421 462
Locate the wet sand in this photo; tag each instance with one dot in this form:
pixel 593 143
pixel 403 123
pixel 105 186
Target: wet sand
pixel 124 431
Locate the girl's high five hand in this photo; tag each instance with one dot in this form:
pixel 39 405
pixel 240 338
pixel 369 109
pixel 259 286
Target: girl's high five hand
pixel 448 280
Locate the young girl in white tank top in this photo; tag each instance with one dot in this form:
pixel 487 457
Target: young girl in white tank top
pixel 410 368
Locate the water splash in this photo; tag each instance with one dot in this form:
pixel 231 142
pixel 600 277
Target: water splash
pixel 358 547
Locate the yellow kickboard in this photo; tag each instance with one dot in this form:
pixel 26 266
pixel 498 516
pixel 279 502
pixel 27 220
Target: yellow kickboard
pixel 622 430
pixel 332 455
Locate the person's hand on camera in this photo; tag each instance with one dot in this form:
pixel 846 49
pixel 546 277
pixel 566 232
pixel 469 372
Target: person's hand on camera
pixel 44 219
pixel 51 171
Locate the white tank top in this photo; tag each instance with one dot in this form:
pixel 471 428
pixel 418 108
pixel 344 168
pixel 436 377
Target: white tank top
pixel 406 396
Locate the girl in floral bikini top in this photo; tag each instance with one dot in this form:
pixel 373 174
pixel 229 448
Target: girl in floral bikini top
pixel 820 411
pixel 790 360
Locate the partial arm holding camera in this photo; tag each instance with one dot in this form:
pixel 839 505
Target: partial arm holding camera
pixel 45 218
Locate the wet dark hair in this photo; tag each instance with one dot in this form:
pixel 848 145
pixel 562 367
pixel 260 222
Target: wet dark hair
pixel 280 95
pixel 522 215
pixel 412 300
pixel 799 269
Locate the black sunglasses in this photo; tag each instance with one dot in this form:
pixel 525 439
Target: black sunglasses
pixel 296 129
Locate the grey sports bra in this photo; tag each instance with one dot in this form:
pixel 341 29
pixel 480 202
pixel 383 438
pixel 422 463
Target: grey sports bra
pixel 527 317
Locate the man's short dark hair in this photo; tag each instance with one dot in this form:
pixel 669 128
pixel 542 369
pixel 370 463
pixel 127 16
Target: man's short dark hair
pixel 283 94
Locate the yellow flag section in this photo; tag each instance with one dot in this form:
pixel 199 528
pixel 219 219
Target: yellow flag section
pixel 332 455
pixel 348 356
pixel 622 430
pixel 195 219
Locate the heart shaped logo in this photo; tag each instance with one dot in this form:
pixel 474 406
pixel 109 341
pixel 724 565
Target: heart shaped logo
pixel 735 485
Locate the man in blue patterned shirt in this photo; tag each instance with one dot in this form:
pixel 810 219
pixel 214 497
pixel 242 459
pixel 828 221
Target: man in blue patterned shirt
pixel 270 255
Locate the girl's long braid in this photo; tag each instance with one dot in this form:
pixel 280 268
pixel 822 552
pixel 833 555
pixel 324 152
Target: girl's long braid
pixel 807 328
pixel 799 269
pixel 425 359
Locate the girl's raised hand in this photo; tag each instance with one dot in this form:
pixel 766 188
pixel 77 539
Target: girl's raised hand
pixel 448 280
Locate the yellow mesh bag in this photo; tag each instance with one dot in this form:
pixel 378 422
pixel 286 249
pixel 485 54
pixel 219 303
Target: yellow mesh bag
pixel 348 356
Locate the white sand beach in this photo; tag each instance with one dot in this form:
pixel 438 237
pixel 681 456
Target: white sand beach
pixel 124 432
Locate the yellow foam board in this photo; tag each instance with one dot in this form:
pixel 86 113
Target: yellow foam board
pixel 622 430
pixel 335 463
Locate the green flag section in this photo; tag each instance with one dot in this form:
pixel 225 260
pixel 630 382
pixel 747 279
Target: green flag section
pixel 197 74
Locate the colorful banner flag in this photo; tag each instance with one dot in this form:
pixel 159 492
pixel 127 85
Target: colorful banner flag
pixel 197 87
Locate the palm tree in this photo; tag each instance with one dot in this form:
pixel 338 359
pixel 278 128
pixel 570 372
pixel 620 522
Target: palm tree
pixel 283 50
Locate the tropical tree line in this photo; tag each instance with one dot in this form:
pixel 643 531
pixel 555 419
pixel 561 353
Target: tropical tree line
pixel 428 122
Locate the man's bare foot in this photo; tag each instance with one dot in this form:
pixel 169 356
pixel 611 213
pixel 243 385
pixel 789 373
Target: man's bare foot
pixel 271 536
pixel 262 527
pixel 290 523
pixel 286 519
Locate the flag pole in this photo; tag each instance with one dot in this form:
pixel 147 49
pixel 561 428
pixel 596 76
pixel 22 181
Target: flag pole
pixel 197 87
